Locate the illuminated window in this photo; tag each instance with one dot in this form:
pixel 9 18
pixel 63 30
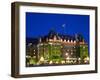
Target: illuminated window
pixel 71 41
pixel 64 40
pixel 74 41
pixel 68 41
pixel 83 47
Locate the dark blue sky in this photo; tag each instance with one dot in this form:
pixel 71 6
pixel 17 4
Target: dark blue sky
pixel 39 24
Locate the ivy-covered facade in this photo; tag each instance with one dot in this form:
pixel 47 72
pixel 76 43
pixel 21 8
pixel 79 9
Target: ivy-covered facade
pixel 55 49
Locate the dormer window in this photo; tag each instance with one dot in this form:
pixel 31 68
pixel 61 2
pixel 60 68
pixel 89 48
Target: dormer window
pixel 71 41
pixel 68 41
pixel 64 40
pixel 74 41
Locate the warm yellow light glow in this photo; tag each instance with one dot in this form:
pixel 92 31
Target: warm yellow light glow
pixel 61 40
pixel 50 62
pixel 42 59
pixel 62 62
pixel 41 44
pixel 67 58
pixel 84 47
pixel 71 53
pixel 50 40
pixel 71 41
pixel 68 41
pixel 64 40
pixel 56 62
pixel 79 59
pixel 74 41
pixel 50 43
pixel 66 54
pixel 87 59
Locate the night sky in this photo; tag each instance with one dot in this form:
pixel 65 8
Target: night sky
pixel 39 24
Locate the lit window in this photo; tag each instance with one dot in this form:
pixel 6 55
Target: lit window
pixel 68 50
pixel 68 41
pixel 71 53
pixel 64 40
pixel 74 41
pixel 66 54
pixel 50 39
pixel 50 62
pixel 84 47
pixel 71 41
